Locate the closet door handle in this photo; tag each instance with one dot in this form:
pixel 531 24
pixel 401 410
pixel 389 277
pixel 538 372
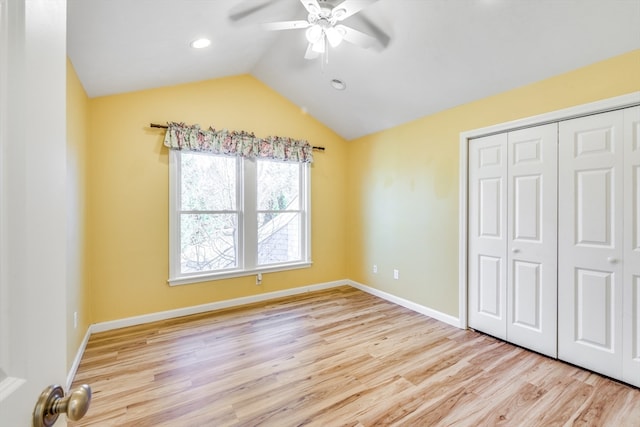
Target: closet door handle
pixel 612 260
pixel 515 250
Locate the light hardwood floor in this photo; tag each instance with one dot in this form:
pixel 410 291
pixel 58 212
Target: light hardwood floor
pixel 335 358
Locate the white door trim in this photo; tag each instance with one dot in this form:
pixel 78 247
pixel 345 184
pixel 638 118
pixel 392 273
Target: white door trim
pixel 601 106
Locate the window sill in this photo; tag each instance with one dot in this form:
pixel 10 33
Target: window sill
pixel 186 280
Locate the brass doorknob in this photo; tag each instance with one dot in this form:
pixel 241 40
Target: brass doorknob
pixel 52 403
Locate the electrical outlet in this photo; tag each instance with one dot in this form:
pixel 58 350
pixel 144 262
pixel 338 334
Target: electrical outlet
pixel 375 269
pixel 75 320
pixel 259 279
pixel 396 274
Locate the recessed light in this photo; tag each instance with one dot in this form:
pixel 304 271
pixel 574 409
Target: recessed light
pixel 200 43
pixel 338 84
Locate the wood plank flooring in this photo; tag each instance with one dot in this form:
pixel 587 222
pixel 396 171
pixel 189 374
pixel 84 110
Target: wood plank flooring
pixel 335 358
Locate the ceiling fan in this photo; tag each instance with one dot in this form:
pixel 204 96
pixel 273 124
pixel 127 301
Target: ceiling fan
pixel 323 25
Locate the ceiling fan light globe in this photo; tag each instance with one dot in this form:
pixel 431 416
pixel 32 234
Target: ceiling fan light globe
pixel 314 34
pixel 333 36
pixel 319 46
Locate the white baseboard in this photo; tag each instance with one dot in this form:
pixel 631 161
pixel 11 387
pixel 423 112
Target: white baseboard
pixel 169 314
pixel 76 361
pixel 435 314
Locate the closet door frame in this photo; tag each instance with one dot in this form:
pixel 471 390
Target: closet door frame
pixel 624 101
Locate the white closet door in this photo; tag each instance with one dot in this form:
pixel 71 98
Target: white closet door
pixel 488 234
pixel 590 242
pixel 532 232
pixel 631 316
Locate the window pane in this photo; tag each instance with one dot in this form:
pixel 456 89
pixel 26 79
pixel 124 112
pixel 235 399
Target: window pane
pixel 208 242
pixel 208 182
pixel 278 186
pixel 278 237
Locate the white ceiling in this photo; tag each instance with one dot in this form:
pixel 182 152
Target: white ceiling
pixel 441 53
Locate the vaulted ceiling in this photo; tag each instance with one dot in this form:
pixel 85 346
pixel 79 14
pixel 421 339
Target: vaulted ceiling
pixel 441 53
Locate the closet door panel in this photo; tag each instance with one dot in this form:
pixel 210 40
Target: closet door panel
pixel 631 321
pixel 594 308
pixel 487 235
pixel 532 238
pixel 590 270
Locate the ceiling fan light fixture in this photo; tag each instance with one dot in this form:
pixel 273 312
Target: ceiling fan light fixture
pixel 323 28
pixel 319 46
pixel 333 36
pixel 200 43
pixel 314 34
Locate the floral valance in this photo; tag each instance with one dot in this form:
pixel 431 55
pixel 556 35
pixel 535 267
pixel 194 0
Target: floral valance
pixel 191 138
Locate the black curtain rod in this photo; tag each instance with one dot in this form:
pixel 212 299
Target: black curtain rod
pixel 154 125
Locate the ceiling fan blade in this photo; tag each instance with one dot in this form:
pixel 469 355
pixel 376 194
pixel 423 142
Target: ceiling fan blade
pixel 310 53
pixel 359 38
pixel 248 8
pixel 349 7
pixel 367 25
pixel 285 25
pixel 312 6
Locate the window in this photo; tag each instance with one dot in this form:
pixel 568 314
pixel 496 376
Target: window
pixel 234 216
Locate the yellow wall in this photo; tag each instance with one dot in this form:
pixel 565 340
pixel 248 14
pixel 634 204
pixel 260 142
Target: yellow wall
pixel 389 199
pixel 403 182
pixel 128 197
pixel 77 289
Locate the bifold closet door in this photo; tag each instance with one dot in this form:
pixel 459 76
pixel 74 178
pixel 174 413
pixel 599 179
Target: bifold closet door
pixel 512 237
pixel 631 253
pixel 487 269
pixel 590 249
pixel 532 238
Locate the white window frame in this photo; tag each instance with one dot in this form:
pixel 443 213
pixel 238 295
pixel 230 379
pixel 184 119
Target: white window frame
pixel 247 225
